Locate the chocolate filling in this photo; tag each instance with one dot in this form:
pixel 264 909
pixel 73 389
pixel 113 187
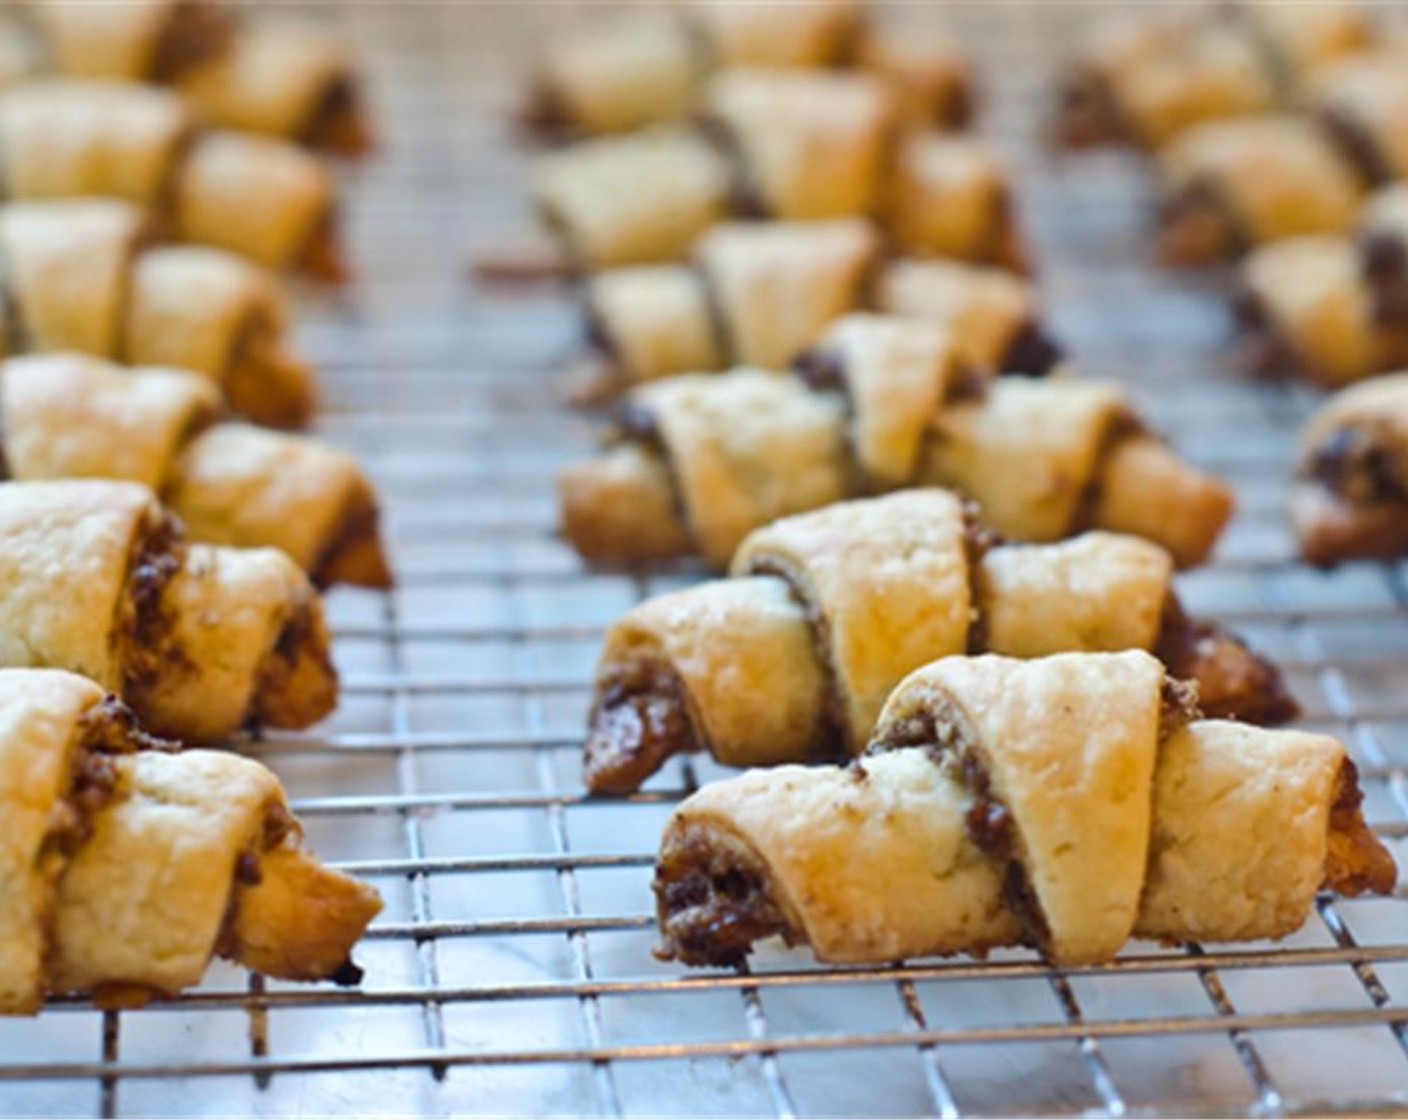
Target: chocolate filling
pixel 640 719
pixel 713 902
pixel 1357 145
pixel 956 107
pixel 1233 681
pixel 1030 352
pixel 144 624
pixel 978 540
pixel 822 369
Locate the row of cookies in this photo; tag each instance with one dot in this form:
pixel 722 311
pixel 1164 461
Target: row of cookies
pixel 979 689
pixel 162 554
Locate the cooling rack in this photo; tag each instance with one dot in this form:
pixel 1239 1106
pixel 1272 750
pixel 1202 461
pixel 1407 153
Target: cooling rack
pixel 511 970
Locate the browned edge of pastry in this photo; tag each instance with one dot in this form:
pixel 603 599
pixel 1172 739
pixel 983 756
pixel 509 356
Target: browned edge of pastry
pixel 354 554
pixel 144 626
pixel 713 901
pixel 1352 504
pixel 1356 144
pixel 1196 225
pixel 1357 861
pixel 195 31
pixel 340 122
pixel 1234 681
pixel 1086 114
pixel 298 682
pixel 323 257
pixel 264 380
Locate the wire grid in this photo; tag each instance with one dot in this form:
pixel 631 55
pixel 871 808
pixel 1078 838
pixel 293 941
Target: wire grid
pixel 511 970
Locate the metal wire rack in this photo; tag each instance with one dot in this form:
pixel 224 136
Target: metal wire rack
pixel 511 971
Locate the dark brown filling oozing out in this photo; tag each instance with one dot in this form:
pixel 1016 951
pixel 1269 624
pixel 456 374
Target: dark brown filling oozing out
pixel 713 902
pixel 638 424
pixel 195 32
pixel 145 624
pixel 822 369
pixel 338 122
pixel 978 541
pixel 957 106
pixel 1356 144
pixel 297 681
pixel 1086 113
pixel 1358 467
pixel 1265 349
pixel 1233 681
pixel 1356 861
pixel 1385 268
pixel 1031 352
pixel 640 719
pixel 745 194
pixel 1197 225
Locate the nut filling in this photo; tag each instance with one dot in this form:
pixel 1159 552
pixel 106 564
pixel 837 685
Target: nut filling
pixel 713 901
pixel 1356 862
pixel 944 732
pixel 1233 681
pixel 640 720
pixel 1359 467
pixel 144 624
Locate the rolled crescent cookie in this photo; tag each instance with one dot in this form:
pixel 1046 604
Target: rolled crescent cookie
pixel 127 866
pixel 79 275
pixel 1069 802
pixel 202 641
pixel 71 416
pixel 701 461
pixel 792 659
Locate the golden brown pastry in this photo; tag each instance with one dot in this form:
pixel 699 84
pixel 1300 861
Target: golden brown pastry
pixel 991 314
pixel 808 34
pixel 80 275
pixel 264 199
pixel 200 640
pixel 791 660
pixel 134 41
pixel 697 462
pixel 127 866
pixel 1234 184
pixel 1069 802
pixel 789 145
pixel 1350 499
pixel 71 416
pixel 291 79
pixel 930 72
pixel 1143 81
pixel 949 196
pixel 635 199
pixel 808 145
pixel 656 321
pixel 617 73
pixel 1363 103
pixel 1333 309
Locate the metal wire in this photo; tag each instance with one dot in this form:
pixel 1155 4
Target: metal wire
pixel 511 971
